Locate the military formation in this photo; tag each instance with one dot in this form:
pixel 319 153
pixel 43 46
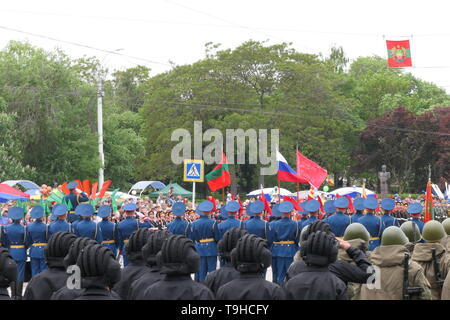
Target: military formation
pixel 337 256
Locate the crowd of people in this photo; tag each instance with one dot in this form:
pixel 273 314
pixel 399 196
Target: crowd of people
pixel 319 252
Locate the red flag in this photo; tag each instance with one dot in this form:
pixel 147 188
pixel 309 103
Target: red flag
pixel 80 185
pixel 296 206
pixel 242 208
pixel 350 204
pixel 94 190
pixel 86 187
pixel 220 176
pixel 399 54
pixel 64 189
pixel 428 203
pixel 104 188
pixel 213 200
pixel 338 195
pixel 232 197
pixel 266 205
pixel 310 171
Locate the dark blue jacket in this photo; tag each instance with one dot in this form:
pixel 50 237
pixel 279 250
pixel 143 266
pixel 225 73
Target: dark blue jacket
pixel 285 230
pixel 57 226
pixel 355 218
pixel 205 234
pixel 387 221
pixel 258 227
pixel 230 223
pixel 308 221
pixel 15 235
pixel 180 226
pixel 338 223
pixel 373 225
pixel 124 230
pixel 37 234
pixel 89 229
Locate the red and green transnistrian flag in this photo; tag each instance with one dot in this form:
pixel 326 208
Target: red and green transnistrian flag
pixel 399 54
pixel 220 176
pixel 428 203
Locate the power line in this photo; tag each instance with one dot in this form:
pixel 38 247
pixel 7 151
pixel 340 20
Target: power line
pixel 83 45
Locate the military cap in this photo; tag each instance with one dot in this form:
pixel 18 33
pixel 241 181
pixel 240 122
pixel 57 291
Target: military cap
pixel 312 206
pixel 129 207
pixel 329 207
pixel 178 208
pixel 206 206
pixel 257 206
pixel 232 206
pixel 59 210
pixel 415 207
pixel 275 210
pixel 387 204
pixel 37 212
pixel 15 213
pixel 371 203
pixel 359 204
pixel 303 206
pixel 286 207
pixel 72 185
pixel 104 211
pixel 341 203
pixel 86 210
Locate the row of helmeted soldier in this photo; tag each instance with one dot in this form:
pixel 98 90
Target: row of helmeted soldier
pixel 161 263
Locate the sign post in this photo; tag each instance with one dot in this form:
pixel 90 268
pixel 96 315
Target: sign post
pixel 193 171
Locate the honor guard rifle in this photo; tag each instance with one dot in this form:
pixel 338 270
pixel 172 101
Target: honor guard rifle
pixel 407 290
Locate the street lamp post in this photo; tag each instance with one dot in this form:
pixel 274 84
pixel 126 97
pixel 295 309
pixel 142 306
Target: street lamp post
pixel 100 94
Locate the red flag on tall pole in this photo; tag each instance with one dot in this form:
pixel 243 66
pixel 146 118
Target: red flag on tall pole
pixel 428 203
pixel 310 171
pixel 266 204
pixel 399 54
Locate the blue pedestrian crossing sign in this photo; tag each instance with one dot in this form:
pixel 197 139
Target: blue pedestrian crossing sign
pixel 193 170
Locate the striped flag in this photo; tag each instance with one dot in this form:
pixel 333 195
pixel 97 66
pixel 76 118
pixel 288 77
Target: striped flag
pixel 428 203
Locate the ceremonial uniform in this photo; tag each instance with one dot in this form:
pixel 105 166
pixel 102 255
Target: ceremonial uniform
pixel 108 230
pixel 179 225
pixel 15 241
pixel 124 230
pixel 338 223
pixel 87 228
pixel 386 220
pixel 75 200
pixel 37 236
pixel 372 223
pixel 231 221
pixel 258 227
pixel 205 234
pixel 59 225
pixel 358 204
pixel 285 233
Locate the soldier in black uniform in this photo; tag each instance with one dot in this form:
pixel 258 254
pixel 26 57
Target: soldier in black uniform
pixel 314 281
pixel 43 285
pixel 99 272
pixel 179 260
pixel 136 266
pixel 153 271
pixel 225 274
pixel 75 200
pixel 8 273
pixel 250 257
pixel 66 293
pixel 344 270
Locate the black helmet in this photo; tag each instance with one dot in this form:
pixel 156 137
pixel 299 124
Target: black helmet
pixel 98 266
pixel 75 249
pixel 320 248
pixel 229 241
pixel 57 248
pixel 251 254
pixel 8 268
pixel 318 225
pixel 178 256
pixel 137 240
pixel 153 246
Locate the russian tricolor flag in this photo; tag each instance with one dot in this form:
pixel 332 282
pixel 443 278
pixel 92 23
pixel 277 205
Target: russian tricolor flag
pixel 285 172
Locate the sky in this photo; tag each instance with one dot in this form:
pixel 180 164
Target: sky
pixel 156 33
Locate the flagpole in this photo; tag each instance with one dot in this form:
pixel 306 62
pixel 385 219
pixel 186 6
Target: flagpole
pixel 279 198
pixel 223 195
